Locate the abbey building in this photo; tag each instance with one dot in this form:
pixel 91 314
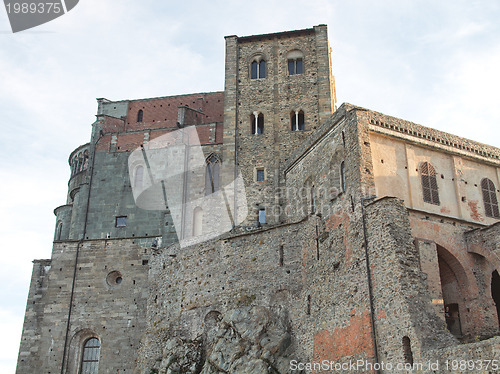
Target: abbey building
pixel 338 234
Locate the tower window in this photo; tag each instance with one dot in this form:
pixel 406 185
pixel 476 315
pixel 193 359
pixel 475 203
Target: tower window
pixel 257 120
pixel 490 198
pixel 121 221
pixel 295 62
pixel 297 120
pixel 140 115
pixel 258 68
pixel 429 183
pixel 90 357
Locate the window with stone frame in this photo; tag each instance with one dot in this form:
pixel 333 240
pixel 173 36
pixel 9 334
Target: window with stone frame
pixel 258 67
pixel 257 123
pixel 295 60
pixel 429 183
pixel 140 115
pixel 90 356
pixel 121 221
pixel 490 198
pixel 297 120
pixel 260 175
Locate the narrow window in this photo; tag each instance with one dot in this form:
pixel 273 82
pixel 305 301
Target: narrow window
pixel 408 355
pixel 260 175
pixel 85 160
pixel 90 356
pixel 140 114
pixel 342 176
pixel 262 69
pixel 262 215
pixel 212 175
pixel 121 221
pixel 139 173
pixel 313 199
pixel 281 256
pixel 257 120
pixel 308 310
pixel 58 231
pixel 297 120
pixel 429 183
pixel 254 70
pixel 197 221
pixel 490 198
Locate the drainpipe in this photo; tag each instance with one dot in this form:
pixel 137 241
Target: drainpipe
pixel 369 276
pixel 91 170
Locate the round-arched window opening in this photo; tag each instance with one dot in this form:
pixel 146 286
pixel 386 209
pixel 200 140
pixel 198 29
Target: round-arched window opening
pixel 114 279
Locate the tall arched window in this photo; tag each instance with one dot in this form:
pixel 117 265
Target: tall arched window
pixel 90 356
pixel 140 115
pixel 297 120
pixel 295 62
pixel 212 175
pixel 197 221
pixel 139 174
pixel 429 183
pixel 490 198
pixel 257 121
pixel 58 231
pixel 258 67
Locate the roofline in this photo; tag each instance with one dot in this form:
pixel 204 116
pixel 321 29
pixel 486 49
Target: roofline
pixel 275 34
pixel 160 97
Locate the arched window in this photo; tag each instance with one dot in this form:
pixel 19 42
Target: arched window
pixel 139 174
pixel 90 356
pixel 85 159
pixel 80 162
pixel 429 183
pixel 258 68
pixel 257 121
pixel 342 176
pixel 140 115
pixel 295 62
pixel 197 221
pixel 490 198
pixel 58 231
pixel 297 120
pixel 212 175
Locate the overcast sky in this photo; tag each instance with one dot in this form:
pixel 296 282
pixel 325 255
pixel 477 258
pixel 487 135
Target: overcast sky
pixel 436 63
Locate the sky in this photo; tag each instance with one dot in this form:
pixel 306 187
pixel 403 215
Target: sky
pixel 435 63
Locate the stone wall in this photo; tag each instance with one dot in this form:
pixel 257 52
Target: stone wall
pixel 102 306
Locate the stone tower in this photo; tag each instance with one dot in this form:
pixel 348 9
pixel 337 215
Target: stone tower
pixel 278 89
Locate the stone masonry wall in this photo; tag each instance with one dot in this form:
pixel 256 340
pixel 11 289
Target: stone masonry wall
pixel 113 311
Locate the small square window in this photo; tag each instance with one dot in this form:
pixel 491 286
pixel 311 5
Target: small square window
pixel 262 215
pixel 260 175
pixel 121 221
